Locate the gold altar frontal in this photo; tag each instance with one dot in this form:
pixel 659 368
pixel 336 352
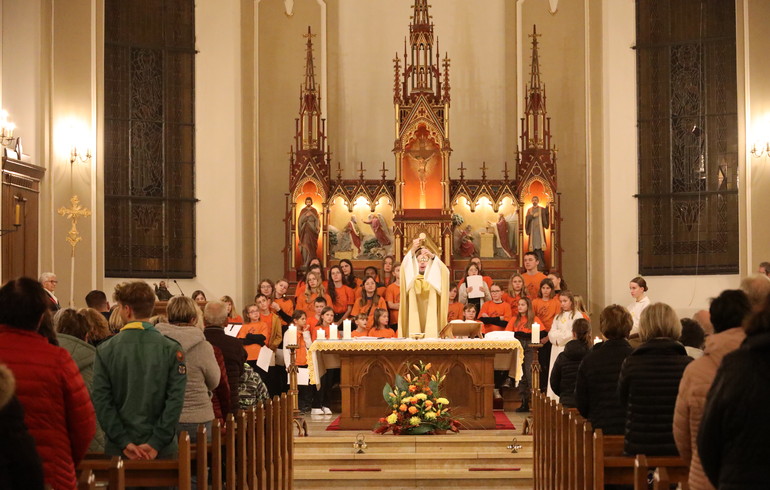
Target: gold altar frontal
pixel 367 365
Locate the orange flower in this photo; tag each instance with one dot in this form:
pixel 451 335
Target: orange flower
pixel 428 403
pixel 412 388
pixel 415 400
pixel 402 408
pixel 427 366
pixel 413 410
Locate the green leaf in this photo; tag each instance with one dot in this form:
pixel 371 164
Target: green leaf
pixel 421 429
pixel 401 383
pixel 434 388
pixel 386 393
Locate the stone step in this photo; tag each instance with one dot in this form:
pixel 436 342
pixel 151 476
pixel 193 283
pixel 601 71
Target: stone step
pixel 434 460
pixel 419 477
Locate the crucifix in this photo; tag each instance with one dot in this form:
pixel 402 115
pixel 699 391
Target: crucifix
pixel 505 170
pixel 339 171
pixel 73 213
pixel 384 170
pixel 483 170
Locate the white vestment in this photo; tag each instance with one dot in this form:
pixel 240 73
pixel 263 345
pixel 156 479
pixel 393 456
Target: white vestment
pixel 423 313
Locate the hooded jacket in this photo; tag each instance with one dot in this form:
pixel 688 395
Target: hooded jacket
pixel 735 428
pixel 202 372
pixel 20 466
pixel 565 370
pixel 648 385
pixel 57 409
pixel 695 385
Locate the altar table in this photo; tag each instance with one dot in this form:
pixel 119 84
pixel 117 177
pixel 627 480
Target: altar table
pixel 367 365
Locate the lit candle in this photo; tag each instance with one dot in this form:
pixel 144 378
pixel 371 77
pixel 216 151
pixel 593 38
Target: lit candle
pixel 17 219
pixel 347 328
pixel 320 334
pixel 535 333
pixel 291 335
pixel 597 340
pixel 333 332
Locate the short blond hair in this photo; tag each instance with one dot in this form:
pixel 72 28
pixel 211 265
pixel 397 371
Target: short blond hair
pixel 659 320
pixel 182 309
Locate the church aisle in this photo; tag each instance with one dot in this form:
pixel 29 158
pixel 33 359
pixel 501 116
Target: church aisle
pixel 470 459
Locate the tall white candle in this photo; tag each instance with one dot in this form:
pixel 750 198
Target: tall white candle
pixel 535 333
pixel 291 336
pixel 333 332
pixel 347 329
pixel 320 334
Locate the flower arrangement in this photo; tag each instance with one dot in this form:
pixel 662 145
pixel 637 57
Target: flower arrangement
pixel 416 404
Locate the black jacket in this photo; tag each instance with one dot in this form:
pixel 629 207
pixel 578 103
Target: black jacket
pixel 735 428
pixel 565 370
pixel 648 386
pixel 234 355
pixel 596 388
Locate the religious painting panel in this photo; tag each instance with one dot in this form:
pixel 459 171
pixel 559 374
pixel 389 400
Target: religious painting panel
pixel 308 242
pixel 421 170
pixel 362 233
pixel 537 235
pixel 482 231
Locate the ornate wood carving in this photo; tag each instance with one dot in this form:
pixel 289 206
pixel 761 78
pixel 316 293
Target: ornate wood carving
pixel 149 118
pixel 688 140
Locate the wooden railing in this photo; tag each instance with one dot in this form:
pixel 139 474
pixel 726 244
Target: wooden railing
pixel 570 455
pixel 254 452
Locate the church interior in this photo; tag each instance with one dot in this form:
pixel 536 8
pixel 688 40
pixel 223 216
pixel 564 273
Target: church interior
pixel 181 141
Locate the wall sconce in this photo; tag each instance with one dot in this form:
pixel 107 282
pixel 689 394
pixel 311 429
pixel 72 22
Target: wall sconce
pixel 761 151
pixel 78 155
pixel 6 131
pixel 16 217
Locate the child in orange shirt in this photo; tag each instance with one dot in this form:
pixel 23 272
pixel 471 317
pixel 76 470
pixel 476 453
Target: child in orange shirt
pixel 369 301
pixel 455 311
pixel 515 291
pixel 323 395
pixel 381 328
pixel 299 319
pixel 521 323
pixel 546 306
pixel 496 313
pixel 393 296
pixel 361 329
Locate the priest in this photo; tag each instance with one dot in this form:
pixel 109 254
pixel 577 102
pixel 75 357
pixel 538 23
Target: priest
pixel 424 283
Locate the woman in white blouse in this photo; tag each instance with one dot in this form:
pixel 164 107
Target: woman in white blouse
pixel 638 288
pixel 561 331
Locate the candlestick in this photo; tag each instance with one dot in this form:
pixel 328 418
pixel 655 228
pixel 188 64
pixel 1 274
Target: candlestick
pixel 291 335
pixel 347 329
pixel 333 334
pixel 320 334
pixel 535 333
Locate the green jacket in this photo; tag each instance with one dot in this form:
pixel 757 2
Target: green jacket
pixel 138 389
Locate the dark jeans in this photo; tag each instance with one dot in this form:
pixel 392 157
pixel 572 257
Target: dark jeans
pixel 525 385
pixel 322 397
pixel 544 358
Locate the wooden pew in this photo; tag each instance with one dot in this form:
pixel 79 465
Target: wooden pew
pixel 201 458
pixel 119 473
pixel 230 470
pixel 259 449
pixel 275 441
pixel 289 431
pixel 216 455
pixel 87 480
pixel 668 470
pixel 240 448
pixel 588 452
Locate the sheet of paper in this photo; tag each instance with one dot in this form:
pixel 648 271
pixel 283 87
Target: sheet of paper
pixel 303 377
pixel 476 283
pixel 265 359
pixel 232 329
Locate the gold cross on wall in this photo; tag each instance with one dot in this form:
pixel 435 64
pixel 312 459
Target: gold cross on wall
pixel 74 213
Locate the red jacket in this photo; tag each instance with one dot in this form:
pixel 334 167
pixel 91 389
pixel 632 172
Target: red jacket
pixel 57 408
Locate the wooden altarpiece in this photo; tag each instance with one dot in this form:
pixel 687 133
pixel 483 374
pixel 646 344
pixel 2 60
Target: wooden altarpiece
pixel 421 197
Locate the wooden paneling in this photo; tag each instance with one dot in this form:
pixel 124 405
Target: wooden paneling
pixel 21 185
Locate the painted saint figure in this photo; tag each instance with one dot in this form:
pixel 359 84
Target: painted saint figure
pixel 536 223
pixel 355 235
pixel 424 296
pixel 308 229
pixel 380 227
pixel 467 247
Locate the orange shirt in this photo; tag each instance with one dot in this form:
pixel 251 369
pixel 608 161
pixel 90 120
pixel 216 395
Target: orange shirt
pixel 532 283
pixel 345 298
pixel 357 333
pixel 301 351
pixel 512 300
pixel 380 292
pixel 368 309
pixel 257 328
pixel 235 319
pixel 495 310
pixel 384 333
pixel 546 310
pixel 521 325
pixel 393 295
pixel 308 307
pixel 314 331
pixel 286 306
pixel 455 312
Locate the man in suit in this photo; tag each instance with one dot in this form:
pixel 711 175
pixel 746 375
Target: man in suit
pixel 49 282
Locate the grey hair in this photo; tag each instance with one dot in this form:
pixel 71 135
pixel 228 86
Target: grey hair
pixel 45 276
pixel 215 313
